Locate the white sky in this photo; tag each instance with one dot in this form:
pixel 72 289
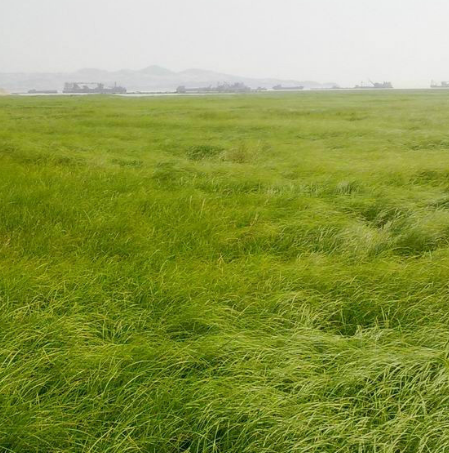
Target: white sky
pixel 343 41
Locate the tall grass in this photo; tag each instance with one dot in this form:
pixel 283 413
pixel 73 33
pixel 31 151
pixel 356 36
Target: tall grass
pixel 248 274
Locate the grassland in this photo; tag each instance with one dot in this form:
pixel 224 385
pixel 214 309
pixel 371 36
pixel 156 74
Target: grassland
pixel 245 274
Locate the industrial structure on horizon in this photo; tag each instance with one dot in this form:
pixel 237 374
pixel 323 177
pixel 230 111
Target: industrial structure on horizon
pixel 443 84
pixel 229 88
pixel 374 85
pixel 282 88
pixel 42 91
pixel 221 88
pixel 91 88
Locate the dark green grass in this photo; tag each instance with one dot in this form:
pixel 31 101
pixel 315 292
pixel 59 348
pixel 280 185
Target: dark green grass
pixel 249 274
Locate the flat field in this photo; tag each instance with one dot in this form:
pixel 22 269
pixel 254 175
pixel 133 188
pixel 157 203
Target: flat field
pixel 246 274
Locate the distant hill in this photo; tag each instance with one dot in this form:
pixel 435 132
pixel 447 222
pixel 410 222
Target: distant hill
pixel 157 71
pixel 151 78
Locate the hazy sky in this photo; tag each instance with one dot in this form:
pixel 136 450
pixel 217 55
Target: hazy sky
pixel 343 41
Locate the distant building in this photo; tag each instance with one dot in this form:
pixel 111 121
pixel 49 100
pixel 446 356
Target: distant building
pixel 282 88
pixel 371 85
pixel 221 88
pixel 92 88
pixel 441 85
pixel 42 92
pixel 234 88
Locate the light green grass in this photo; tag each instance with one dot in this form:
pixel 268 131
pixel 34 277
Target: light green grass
pixel 245 274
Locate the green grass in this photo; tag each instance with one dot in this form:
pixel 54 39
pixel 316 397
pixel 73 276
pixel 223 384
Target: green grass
pixel 248 274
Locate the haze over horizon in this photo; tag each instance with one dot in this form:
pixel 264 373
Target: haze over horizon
pixel 344 42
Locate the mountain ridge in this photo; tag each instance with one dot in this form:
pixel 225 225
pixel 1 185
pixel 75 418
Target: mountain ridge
pixel 150 78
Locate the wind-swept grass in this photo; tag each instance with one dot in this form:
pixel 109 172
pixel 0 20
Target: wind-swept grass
pixel 248 274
